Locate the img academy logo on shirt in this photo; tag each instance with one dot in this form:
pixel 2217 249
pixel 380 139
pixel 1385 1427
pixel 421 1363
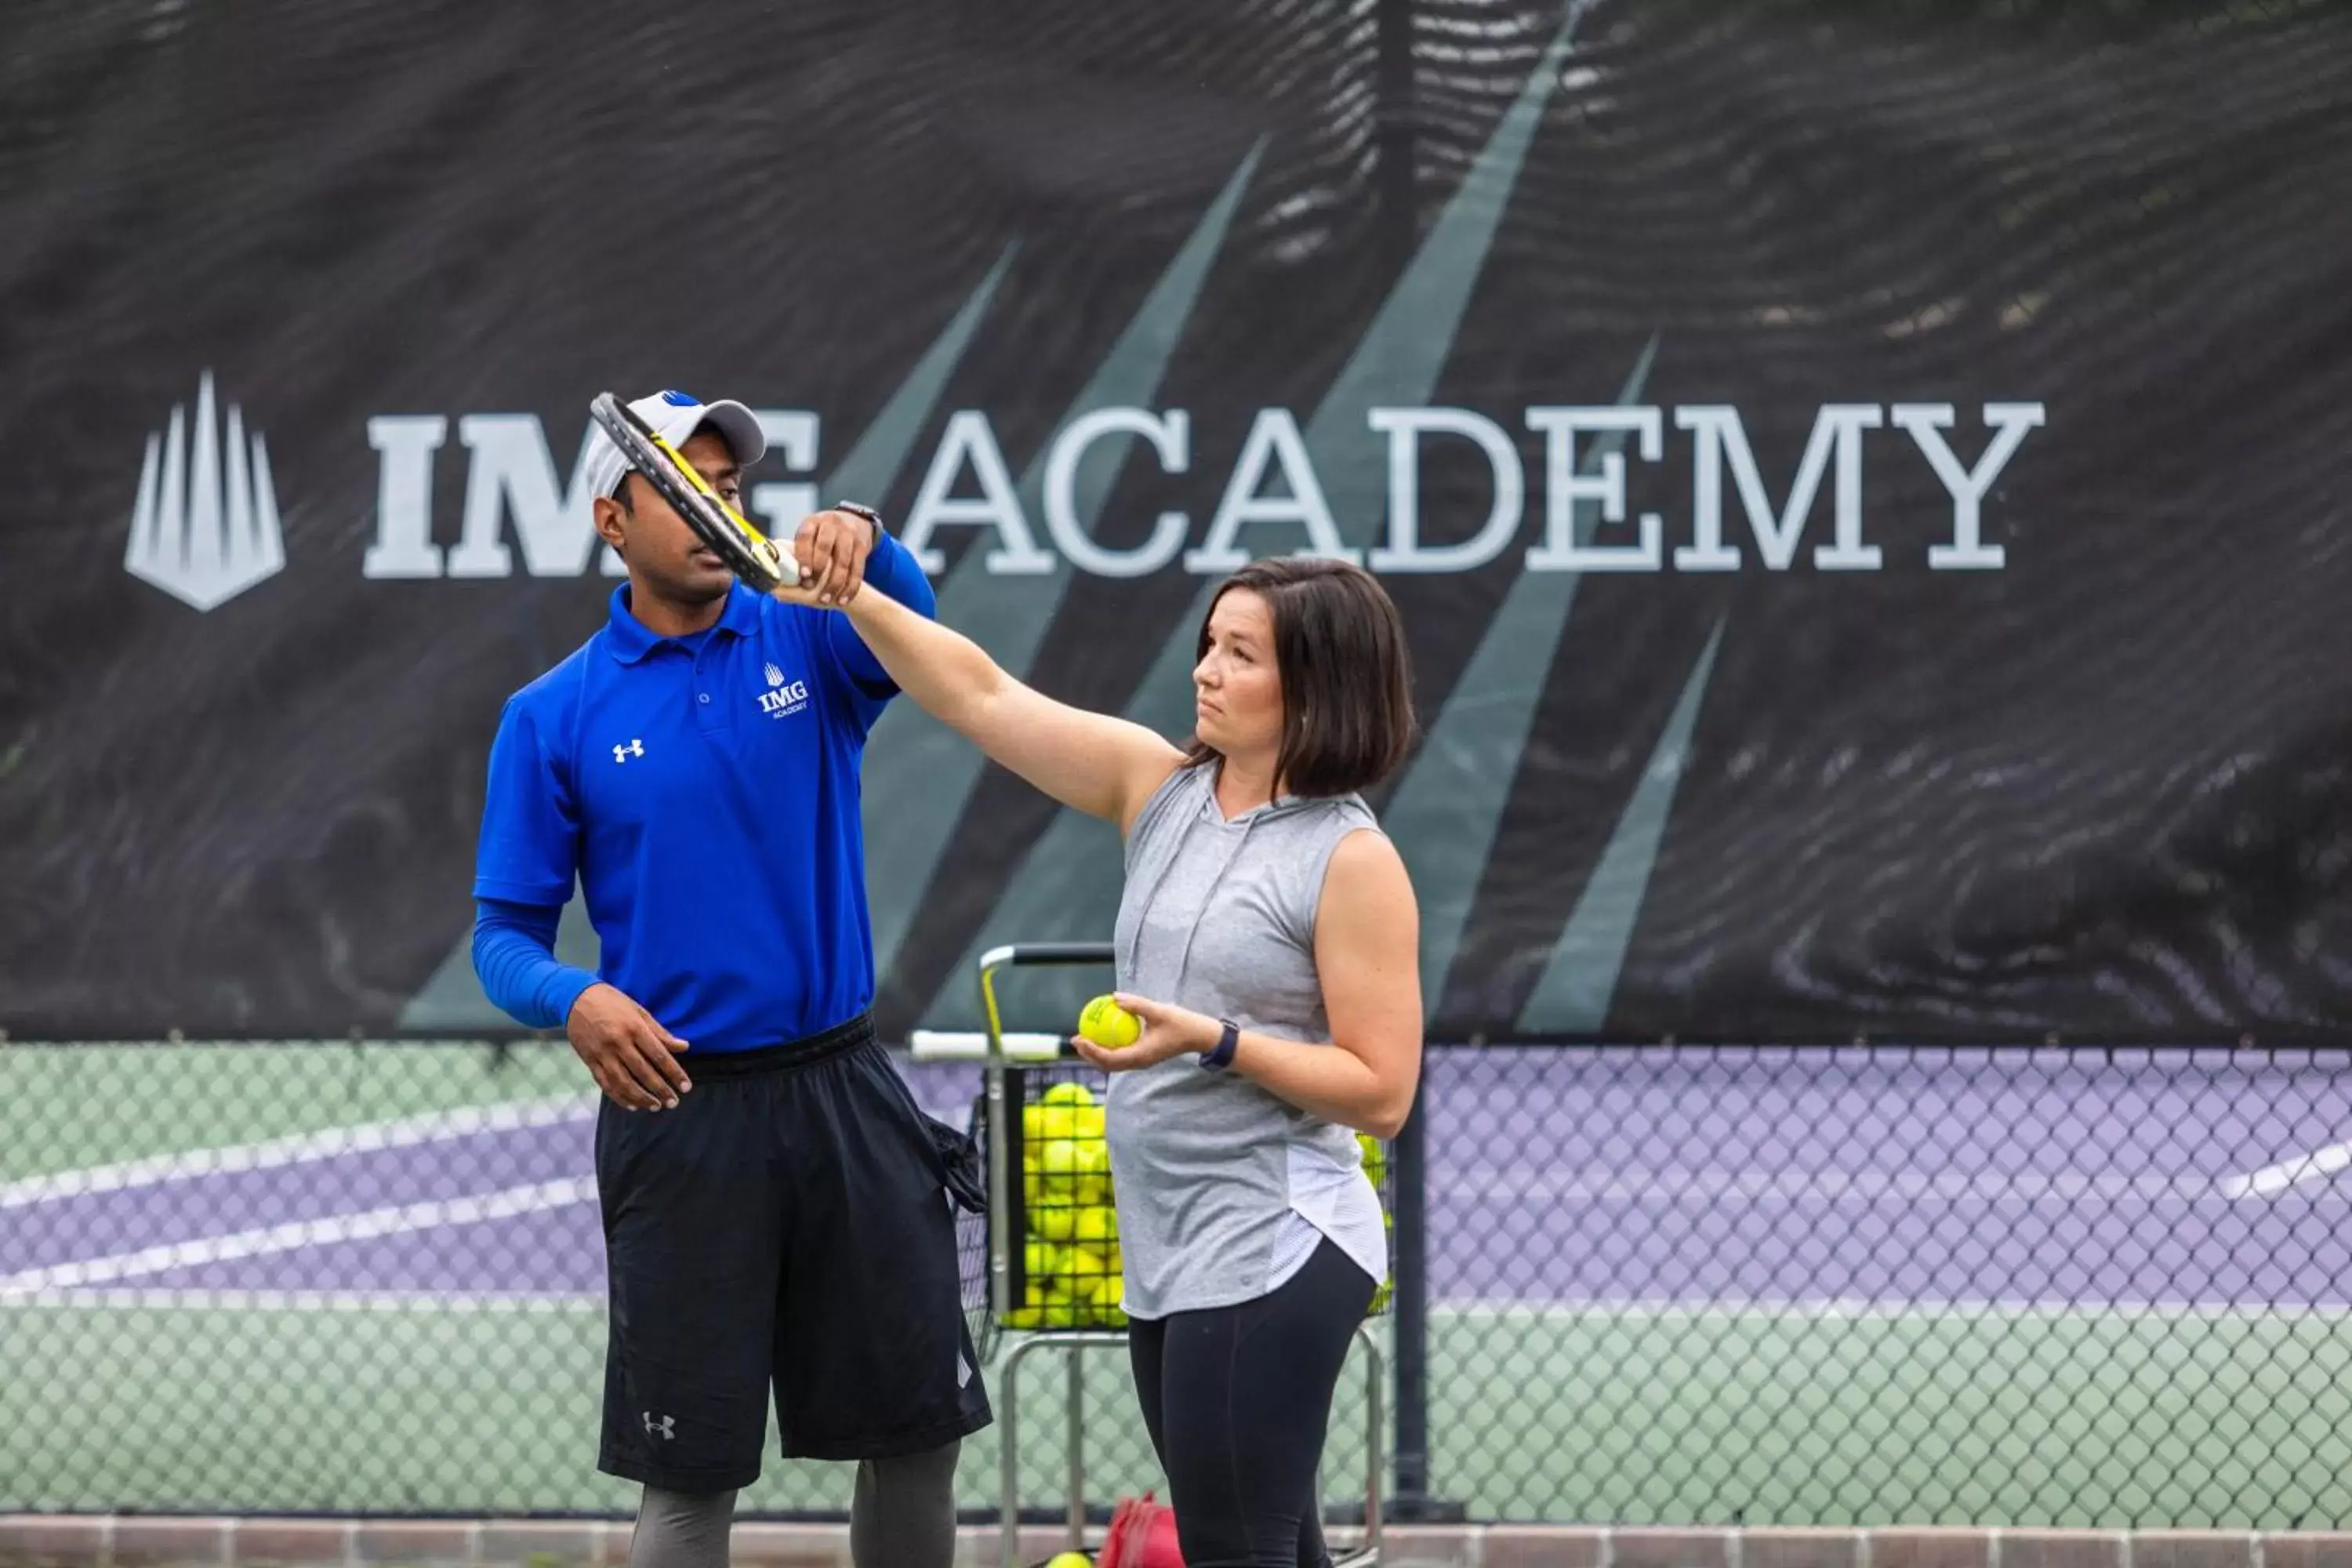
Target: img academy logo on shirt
pixel 783 696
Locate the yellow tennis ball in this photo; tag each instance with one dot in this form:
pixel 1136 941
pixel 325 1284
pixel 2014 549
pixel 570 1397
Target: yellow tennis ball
pixel 1067 1094
pixel 1056 1121
pixel 1069 1560
pixel 1098 1221
pixel 1109 1025
pixel 1083 1266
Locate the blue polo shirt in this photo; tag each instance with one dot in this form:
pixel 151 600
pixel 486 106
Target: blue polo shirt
pixel 704 791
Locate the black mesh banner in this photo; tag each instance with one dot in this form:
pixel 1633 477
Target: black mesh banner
pixel 1865 483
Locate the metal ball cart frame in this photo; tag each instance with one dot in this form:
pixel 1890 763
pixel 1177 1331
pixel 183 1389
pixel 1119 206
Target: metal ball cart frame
pixel 1002 1055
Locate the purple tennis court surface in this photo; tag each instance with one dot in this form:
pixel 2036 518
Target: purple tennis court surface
pixel 1556 1177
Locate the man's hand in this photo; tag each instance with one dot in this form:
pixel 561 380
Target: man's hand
pixel 832 548
pixel 633 1059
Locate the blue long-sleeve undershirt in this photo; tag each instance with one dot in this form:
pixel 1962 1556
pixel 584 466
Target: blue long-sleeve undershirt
pixel 514 955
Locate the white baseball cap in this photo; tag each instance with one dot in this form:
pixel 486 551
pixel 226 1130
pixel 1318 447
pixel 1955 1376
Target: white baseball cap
pixel 675 416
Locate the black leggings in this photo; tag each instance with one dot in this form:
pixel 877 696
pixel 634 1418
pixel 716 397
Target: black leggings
pixel 1237 1399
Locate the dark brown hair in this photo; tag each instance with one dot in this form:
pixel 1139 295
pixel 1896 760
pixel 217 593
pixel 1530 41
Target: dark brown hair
pixel 1347 681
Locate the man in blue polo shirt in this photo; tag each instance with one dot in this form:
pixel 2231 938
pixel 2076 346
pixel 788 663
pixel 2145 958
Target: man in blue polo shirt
pixel 773 1200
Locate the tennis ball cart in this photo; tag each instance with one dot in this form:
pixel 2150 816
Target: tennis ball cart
pixel 1040 1265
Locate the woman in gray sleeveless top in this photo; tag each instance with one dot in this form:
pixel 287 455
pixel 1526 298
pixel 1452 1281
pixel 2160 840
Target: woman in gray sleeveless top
pixel 1268 940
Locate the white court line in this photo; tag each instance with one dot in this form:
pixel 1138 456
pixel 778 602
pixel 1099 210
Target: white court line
pixel 1834 1186
pixel 324 1232
pixel 300 1148
pixel 196 1300
pixel 2273 1179
pixel 1864 1308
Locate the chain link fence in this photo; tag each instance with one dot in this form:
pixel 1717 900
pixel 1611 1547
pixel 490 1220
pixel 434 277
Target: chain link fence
pixel 1673 1285
pixel 1984 1286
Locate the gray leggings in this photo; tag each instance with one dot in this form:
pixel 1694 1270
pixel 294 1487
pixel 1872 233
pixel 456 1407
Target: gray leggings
pixel 902 1516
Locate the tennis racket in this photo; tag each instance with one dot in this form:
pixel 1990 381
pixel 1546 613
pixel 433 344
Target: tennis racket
pixel 752 555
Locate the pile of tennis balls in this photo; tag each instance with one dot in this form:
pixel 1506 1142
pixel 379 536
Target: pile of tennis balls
pixel 1070 1257
pixel 1376 1166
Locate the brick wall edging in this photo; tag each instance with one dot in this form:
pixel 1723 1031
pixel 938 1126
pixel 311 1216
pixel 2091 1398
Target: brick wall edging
pixel 103 1541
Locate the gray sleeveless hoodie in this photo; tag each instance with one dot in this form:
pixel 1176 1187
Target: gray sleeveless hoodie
pixel 1218 916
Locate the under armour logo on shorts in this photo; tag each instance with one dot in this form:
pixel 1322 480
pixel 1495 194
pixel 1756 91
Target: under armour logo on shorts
pixel 666 1426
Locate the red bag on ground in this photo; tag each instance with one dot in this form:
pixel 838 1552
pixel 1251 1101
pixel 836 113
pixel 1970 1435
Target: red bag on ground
pixel 1142 1535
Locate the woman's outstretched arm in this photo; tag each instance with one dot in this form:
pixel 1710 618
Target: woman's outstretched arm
pixel 1105 766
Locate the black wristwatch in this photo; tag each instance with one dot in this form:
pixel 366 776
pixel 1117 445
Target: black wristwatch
pixel 856 509
pixel 1228 1039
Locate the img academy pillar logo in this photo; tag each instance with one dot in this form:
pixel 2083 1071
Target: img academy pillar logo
pixel 206 526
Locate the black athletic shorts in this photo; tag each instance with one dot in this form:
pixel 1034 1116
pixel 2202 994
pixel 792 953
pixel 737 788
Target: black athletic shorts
pixel 788 1227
